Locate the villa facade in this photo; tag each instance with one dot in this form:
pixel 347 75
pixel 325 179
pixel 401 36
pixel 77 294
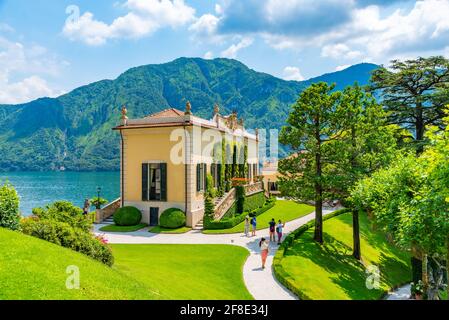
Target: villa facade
pixel 166 157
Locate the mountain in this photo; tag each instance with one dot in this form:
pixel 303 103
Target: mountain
pixel 74 132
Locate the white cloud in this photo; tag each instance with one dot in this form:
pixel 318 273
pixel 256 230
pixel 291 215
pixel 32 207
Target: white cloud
pixel 28 89
pixel 22 72
pixel 371 30
pixel 209 55
pixel 340 51
pixel 292 73
pixel 232 51
pixel 343 67
pixel 145 18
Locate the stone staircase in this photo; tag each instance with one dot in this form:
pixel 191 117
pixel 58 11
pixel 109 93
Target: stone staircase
pixel 109 220
pixel 224 203
pixel 199 226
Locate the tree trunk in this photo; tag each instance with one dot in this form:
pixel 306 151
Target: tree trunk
pixel 447 266
pixel 318 205
pixel 318 186
pixel 425 274
pixel 318 219
pixel 419 126
pixel 356 234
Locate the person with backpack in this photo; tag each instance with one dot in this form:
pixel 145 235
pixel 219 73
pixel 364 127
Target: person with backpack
pixel 246 231
pixel 264 248
pixel 279 230
pixel 254 225
pixel 272 225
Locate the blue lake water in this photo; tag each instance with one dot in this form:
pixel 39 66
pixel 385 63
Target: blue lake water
pixel 37 189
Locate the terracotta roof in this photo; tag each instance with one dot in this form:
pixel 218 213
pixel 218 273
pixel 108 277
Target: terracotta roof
pixel 167 113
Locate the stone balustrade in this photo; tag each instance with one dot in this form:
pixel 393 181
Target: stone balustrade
pixel 107 211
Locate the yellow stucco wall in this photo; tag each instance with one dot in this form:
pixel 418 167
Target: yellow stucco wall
pixel 151 145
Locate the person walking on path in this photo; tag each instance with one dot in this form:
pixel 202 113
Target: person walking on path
pixel 246 226
pixel 86 207
pixel 254 225
pixel 272 225
pixel 264 247
pixel 279 230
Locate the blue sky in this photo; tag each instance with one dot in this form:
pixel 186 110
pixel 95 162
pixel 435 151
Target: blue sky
pixel 53 46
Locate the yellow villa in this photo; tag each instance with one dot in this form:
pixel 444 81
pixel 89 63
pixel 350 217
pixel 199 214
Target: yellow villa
pixel 166 157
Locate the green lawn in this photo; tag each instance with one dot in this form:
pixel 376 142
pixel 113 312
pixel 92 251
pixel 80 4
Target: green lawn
pixel 115 228
pixel 33 269
pixel 159 229
pixel 283 209
pixel 330 272
pixel 194 272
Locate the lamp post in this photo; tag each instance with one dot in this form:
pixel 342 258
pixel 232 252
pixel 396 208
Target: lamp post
pixel 269 187
pixel 98 197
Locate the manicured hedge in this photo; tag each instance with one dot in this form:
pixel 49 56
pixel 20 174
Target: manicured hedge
pixel 231 213
pixel 127 216
pixel 229 223
pixel 173 218
pixel 279 271
pixel 254 201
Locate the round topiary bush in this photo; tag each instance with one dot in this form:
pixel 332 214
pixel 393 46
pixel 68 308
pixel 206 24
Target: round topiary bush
pixel 127 216
pixel 173 218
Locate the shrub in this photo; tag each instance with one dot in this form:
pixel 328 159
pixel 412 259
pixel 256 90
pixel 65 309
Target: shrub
pixel 127 216
pixel 229 223
pixel 240 195
pixel 98 202
pixel 9 207
pixel 66 212
pixel 67 236
pixel 173 218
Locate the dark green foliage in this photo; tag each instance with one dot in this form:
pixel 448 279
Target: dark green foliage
pixel 240 195
pixel 232 212
pixel 127 216
pixel 9 207
pixel 98 202
pixel 66 235
pixel 231 222
pixel 254 201
pixel 64 211
pixel 209 207
pixel 173 218
pixel 74 130
pixel 415 93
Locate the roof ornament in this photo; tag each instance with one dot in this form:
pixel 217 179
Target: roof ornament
pixel 124 119
pixel 241 122
pixel 216 109
pixel 188 108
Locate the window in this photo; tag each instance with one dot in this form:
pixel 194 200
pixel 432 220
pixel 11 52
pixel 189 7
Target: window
pixel 255 173
pixel 215 170
pixel 154 182
pixel 201 173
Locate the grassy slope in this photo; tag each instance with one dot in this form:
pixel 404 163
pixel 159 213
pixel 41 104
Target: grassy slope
pixel 284 210
pixel 31 268
pixel 159 229
pixel 115 228
pixel 330 272
pixel 198 272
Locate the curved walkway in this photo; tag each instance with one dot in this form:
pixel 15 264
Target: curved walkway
pixel 402 293
pixel 262 284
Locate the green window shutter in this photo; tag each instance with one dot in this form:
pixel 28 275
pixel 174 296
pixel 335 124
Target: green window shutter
pixel 198 183
pixel 163 182
pixel 219 174
pixel 205 176
pixel 144 181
